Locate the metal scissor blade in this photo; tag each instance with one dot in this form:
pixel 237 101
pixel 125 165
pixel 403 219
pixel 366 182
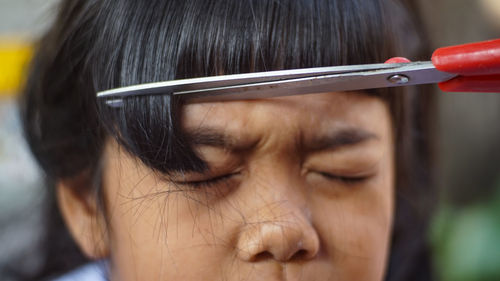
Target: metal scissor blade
pixel 193 84
pixel 286 82
pixel 404 75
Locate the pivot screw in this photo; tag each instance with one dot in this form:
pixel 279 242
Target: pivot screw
pixel 398 79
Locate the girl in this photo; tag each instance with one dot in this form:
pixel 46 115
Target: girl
pixel 326 186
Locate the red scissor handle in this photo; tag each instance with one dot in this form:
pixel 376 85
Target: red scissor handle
pixel 477 64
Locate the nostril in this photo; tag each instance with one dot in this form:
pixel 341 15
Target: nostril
pixel 300 255
pixel 262 256
pixel 265 255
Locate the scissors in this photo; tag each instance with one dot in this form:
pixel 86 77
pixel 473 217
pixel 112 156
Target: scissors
pixel 473 67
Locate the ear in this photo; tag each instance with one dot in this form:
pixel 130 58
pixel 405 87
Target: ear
pixel 82 215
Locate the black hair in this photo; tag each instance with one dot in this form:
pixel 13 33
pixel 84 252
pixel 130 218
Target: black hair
pixel 96 45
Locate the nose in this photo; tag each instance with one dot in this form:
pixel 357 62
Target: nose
pixel 286 237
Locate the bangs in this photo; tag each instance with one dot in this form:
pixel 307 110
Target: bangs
pixel 152 41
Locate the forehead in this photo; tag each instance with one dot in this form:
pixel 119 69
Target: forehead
pixel 307 113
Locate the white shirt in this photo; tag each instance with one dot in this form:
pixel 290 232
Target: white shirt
pixel 97 271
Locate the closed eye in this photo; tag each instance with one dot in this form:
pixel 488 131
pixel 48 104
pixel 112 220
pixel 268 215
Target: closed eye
pixel 214 181
pixel 345 179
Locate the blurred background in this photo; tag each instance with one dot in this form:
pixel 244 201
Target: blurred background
pixel 465 232
pixel 21 185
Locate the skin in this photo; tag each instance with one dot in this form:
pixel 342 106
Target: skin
pixel 283 201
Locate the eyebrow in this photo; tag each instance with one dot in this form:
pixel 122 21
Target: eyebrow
pixel 339 138
pixel 333 140
pixel 213 137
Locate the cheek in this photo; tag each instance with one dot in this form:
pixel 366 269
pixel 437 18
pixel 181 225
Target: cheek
pixel 356 228
pixel 164 236
pixel 156 234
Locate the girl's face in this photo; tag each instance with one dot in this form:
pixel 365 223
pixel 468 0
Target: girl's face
pixel 298 188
